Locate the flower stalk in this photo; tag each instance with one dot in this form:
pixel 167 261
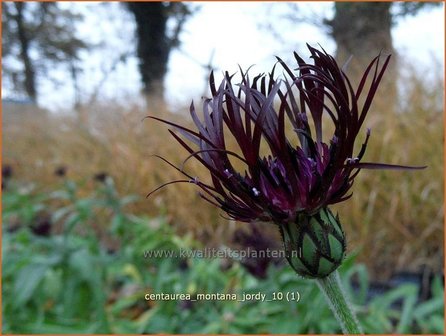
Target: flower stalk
pixel 332 288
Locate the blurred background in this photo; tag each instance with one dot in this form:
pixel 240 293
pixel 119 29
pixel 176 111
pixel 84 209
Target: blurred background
pixel 77 80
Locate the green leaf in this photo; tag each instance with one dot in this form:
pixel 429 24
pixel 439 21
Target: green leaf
pixel 407 312
pixel 60 213
pixel 361 271
pixel 55 328
pixel 27 281
pixel 129 199
pixel 437 287
pixel 83 264
pixel 428 308
pixel 401 292
pixel 436 324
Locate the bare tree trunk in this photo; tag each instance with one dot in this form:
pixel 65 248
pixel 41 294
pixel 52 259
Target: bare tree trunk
pixel 153 47
pixel 362 29
pixel 30 74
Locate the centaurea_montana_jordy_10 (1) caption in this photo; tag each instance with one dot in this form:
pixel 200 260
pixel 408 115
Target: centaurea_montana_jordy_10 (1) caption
pixel 290 186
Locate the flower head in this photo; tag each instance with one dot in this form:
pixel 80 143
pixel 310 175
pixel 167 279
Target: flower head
pixel 300 174
pixel 290 179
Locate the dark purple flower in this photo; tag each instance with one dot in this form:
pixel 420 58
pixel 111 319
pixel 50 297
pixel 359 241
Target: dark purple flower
pixel 290 179
pixel 100 177
pixel 60 171
pixel 7 171
pixel 300 174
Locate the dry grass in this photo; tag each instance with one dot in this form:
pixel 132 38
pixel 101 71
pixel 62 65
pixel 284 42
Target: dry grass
pixel 395 217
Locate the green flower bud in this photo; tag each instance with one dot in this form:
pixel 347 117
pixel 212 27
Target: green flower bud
pixel 314 245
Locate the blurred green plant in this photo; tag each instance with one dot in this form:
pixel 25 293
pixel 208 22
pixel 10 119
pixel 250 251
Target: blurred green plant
pixel 69 282
pixel 22 205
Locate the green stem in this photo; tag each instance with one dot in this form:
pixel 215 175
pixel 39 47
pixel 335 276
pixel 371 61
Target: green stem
pixel 332 289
